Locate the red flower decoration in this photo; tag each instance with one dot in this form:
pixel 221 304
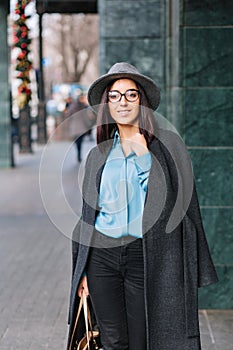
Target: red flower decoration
pixel 22 55
pixel 21 40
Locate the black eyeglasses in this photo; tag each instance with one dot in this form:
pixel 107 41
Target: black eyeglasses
pixel 130 95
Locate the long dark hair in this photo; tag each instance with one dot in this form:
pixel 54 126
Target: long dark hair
pixel 106 125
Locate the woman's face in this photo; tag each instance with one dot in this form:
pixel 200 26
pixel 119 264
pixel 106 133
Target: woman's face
pixel 124 112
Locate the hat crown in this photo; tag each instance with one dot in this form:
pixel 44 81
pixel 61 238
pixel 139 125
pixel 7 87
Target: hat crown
pixel 123 67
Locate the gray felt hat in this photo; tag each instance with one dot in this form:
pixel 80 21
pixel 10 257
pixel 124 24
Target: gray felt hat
pixel 123 70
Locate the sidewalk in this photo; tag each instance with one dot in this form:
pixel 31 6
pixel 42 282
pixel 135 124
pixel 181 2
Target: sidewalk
pixel 35 255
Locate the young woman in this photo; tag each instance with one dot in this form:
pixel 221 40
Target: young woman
pixel 140 260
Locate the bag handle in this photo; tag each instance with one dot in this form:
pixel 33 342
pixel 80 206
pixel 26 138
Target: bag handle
pixel 87 316
pixel 85 309
pixel 76 322
pixel 88 323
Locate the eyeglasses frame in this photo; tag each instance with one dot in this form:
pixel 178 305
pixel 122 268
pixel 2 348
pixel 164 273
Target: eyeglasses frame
pixel 124 95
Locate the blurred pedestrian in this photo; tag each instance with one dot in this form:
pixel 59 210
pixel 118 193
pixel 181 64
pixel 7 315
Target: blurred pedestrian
pixel 68 102
pixel 81 121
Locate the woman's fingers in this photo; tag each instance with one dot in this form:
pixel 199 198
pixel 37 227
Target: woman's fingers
pixel 138 144
pixel 83 287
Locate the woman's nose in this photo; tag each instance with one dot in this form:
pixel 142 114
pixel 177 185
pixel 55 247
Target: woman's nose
pixel 123 100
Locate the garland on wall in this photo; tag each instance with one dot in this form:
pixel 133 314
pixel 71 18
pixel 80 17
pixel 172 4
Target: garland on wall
pixel 23 64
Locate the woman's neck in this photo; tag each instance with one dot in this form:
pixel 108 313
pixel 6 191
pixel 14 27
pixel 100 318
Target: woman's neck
pixel 127 131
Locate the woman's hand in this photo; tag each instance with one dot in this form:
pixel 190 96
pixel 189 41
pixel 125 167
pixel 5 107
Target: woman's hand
pixel 83 287
pixel 138 144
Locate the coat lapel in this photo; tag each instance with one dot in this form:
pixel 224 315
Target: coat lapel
pixel 161 192
pixel 94 168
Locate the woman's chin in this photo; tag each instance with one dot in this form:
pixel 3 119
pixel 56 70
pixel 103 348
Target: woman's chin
pixel 127 121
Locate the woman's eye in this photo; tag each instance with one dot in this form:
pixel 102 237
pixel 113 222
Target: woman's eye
pixel 132 95
pixel 113 96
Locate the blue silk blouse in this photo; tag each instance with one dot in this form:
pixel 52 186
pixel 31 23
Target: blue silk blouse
pixel 122 192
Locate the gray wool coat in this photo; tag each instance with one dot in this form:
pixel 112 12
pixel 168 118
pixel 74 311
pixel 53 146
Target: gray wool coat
pixel 176 255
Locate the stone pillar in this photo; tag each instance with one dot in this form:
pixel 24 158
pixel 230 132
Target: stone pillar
pixel 132 31
pixel 41 118
pixel 200 95
pixel 5 121
pixel 24 124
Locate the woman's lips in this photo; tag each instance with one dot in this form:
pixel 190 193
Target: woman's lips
pixel 124 112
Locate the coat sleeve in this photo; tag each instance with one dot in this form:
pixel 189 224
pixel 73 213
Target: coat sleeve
pixel 76 232
pixel 76 235
pixel 206 270
pixel 75 245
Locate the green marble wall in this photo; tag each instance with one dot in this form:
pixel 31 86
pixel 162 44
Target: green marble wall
pixel 206 82
pixel 5 142
pixel 132 31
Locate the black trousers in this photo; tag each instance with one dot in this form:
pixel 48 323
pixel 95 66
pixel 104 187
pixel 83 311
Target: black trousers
pixel 79 142
pixel 116 285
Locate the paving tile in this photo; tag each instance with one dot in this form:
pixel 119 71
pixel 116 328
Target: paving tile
pixel 216 329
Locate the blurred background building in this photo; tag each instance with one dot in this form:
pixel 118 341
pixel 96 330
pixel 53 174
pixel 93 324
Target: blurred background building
pixel 184 45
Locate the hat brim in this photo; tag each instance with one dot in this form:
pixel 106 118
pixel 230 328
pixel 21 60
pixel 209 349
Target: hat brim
pixel 97 88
